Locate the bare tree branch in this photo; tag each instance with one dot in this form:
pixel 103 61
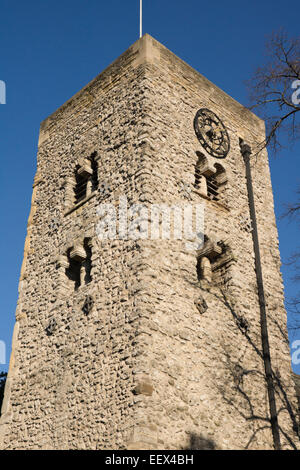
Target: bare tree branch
pixel 274 93
pixel 270 89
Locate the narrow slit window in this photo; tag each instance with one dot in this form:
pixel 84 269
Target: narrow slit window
pixel 94 165
pixel 88 260
pixel 212 188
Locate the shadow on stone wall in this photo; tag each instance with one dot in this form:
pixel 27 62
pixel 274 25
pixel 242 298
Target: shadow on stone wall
pixel 232 387
pixel 198 442
pixel 237 375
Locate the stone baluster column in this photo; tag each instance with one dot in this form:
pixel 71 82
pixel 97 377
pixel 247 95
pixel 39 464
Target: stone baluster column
pixel 62 265
pixel 202 187
pixel 89 187
pixel 206 269
pixel 69 192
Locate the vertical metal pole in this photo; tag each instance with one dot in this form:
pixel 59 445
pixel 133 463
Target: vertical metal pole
pixel 141 18
pixel 246 152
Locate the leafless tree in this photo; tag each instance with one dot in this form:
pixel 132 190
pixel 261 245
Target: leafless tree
pixel 274 92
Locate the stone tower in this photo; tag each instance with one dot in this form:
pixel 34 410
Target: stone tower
pixel 144 342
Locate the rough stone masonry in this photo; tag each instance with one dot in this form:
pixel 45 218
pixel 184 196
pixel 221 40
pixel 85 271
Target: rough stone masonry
pixel 143 343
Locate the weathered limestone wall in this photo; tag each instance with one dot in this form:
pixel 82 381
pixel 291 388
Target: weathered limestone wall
pixel 206 369
pixel 73 388
pixel 144 368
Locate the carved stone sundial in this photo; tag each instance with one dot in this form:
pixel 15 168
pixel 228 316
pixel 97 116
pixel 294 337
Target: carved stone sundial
pixel 211 133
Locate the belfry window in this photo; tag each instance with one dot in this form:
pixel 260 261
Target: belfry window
pixel 73 271
pixel 213 263
pixel 86 178
pixel 210 180
pixel 79 264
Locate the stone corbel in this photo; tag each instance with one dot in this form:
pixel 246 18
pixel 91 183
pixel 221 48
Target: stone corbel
pixel 78 253
pixel 210 250
pixel 207 169
pixel 85 168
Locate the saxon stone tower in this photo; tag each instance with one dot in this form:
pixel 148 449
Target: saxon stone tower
pixel 143 342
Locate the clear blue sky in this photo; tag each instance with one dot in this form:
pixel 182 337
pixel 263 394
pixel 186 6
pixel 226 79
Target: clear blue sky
pixel 51 49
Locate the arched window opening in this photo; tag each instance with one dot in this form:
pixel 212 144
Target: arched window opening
pixel 79 264
pixel 213 263
pixel 209 180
